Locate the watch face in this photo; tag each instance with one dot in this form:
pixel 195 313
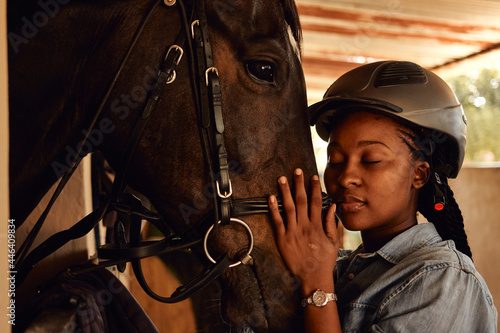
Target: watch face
pixel 319 297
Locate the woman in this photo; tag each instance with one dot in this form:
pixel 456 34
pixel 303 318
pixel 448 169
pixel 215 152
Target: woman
pixel 396 133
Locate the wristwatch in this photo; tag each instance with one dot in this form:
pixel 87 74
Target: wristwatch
pixel 319 298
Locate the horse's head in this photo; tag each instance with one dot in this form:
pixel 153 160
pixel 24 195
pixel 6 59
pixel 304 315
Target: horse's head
pixel 255 48
pixel 256 52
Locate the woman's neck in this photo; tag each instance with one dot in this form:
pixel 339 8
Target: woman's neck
pixel 375 239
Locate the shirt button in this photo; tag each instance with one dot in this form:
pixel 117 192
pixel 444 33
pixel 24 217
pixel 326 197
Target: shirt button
pixel 351 276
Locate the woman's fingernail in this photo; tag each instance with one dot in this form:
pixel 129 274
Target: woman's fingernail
pixel 315 178
pixel 282 180
pixel 298 172
pixel 272 199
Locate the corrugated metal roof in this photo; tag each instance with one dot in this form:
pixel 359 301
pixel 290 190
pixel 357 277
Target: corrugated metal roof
pixel 342 34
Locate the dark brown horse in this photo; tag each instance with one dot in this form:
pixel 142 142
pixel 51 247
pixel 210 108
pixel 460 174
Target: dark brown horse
pixel 62 57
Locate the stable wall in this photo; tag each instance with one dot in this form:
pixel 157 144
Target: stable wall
pixel 477 191
pixel 4 168
pixel 74 203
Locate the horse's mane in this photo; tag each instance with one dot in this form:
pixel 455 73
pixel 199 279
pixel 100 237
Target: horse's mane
pixel 292 18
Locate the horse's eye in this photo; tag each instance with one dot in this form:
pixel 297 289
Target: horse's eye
pixel 261 70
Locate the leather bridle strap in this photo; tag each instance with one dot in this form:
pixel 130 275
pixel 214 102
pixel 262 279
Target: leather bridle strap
pixel 260 205
pixel 165 73
pixel 144 249
pixel 209 109
pixel 210 104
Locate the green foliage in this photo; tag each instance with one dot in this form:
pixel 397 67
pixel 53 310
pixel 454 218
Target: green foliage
pixel 479 93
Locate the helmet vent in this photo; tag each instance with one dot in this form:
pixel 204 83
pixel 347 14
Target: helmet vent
pixel 400 73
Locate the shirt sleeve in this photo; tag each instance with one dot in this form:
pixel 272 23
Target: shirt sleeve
pixel 438 298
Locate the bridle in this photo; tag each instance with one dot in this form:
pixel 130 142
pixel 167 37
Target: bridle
pixel 194 37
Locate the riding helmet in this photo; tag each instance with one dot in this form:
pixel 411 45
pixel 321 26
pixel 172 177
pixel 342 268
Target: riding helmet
pixel 401 90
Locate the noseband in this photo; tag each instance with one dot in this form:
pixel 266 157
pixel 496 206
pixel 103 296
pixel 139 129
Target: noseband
pixel 194 37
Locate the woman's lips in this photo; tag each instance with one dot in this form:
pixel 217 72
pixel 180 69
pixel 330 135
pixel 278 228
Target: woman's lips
pixel 350 204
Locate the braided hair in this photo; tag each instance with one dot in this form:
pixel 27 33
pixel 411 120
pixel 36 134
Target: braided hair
pixel 448 221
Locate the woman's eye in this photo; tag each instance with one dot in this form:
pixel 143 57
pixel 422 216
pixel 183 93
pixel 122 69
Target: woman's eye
pixel 371 158
pixel 333 163
pixel 261 70
pixel 335 159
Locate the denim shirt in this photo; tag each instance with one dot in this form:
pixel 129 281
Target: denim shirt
pixel 415 283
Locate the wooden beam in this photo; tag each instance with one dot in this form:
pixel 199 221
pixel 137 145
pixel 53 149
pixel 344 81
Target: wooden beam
pixel 391 18
pixel 493 47
pixel 383 33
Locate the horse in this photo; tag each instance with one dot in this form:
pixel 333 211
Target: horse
pixel 65 55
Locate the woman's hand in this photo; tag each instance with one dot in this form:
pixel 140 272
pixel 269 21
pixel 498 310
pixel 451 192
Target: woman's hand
pixel 308 247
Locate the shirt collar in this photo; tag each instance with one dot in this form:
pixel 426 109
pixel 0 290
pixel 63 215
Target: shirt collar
pixel 409 241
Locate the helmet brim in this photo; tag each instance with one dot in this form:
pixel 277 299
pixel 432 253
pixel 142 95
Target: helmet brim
pixel 322 114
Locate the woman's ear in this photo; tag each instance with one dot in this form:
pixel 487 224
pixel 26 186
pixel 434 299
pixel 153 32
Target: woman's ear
pixel 422 173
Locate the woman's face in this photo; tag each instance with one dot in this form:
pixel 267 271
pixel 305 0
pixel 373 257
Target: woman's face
pixel 371 174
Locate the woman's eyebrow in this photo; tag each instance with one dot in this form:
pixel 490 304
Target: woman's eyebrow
pixel 361 144
pixel 365 143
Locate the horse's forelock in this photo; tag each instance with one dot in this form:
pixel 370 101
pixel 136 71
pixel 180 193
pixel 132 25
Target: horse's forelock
pixel 292 18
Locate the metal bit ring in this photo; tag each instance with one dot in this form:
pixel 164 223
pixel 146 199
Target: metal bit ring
pixel 246 259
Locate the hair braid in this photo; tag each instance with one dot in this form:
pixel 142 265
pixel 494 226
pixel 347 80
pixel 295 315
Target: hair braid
pixel 449 222
pixel 455 222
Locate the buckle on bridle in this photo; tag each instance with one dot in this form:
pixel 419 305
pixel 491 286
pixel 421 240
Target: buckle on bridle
pixel 179 56
pixel 192 27
pixel 226 194
pixel 209 70
pixel 171 71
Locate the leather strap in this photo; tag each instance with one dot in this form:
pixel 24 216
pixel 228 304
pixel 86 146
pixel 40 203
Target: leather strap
pixel 56 241
pixel 183 292
pixel 259 205
pixel 210 102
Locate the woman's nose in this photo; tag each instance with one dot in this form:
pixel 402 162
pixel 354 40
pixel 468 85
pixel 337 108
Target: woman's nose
pixel 349 176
